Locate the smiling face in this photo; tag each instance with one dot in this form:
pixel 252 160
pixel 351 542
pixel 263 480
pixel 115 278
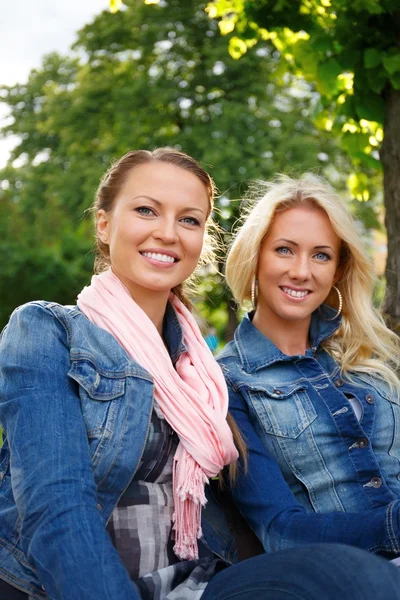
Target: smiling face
pixel 155 229
pixel 298 265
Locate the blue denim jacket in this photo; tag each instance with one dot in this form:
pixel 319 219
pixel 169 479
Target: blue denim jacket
pixel 75 411
pixel 341 477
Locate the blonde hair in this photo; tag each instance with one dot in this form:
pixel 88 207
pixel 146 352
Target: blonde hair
pixel 363 342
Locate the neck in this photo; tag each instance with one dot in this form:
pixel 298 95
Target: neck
pixel 154 310
pixel 291 337
pixel 152 302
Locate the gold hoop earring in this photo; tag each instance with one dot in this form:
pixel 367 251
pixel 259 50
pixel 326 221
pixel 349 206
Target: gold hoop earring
pixel 339 310
pixel 254 292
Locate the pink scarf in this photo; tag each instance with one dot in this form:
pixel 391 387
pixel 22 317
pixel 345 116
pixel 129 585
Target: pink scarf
pixel 193 398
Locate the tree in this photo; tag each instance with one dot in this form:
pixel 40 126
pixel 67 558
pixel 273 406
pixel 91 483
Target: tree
pixel 147 76
pixel 350 51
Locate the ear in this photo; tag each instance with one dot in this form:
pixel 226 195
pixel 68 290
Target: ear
pixel 103 226
pixel 338 274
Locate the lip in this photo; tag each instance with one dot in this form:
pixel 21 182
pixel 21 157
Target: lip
pixel 158 263
pixel 160 251
pixel 293 298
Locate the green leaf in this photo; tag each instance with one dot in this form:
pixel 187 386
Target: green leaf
pixel 395 81
pixel 115 5
pixel 370 107
pixel 226 26
pixel 357 184
pixel 349 59
pixel 372 58
pixel 321 43
pixel 355 143
pixel 327 77
pixel 371 6
pixel 306 58
pixel 237 47
pixel 376 79
pixel 392 63
pixel 348 108
pixel 371 162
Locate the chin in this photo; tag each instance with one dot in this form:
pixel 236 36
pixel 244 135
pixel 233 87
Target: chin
pixel 292 318
pixel 160 288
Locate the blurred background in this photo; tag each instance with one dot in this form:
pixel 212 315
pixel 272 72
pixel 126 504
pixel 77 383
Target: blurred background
pixel 84 82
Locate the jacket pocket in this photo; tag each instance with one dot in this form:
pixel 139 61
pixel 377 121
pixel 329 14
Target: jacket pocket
pixel 100 395
pixel 283 410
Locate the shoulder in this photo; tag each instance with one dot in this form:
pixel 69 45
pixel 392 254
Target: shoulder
pixel 228 352
pixel 36 328
pixel 39 331
pixel 35 318
pixel 38 313
pixel 229 358
pixel 38 309
pixel 235 373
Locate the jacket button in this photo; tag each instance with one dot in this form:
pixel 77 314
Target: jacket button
pixel 376 482
pixel 362 442
pixel 277 392
pixel 339 382
pixel 370 399
pixel 99 506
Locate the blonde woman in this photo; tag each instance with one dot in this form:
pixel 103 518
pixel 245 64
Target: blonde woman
pixel 311 375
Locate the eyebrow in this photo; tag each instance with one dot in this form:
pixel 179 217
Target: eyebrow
pixel 158 203
pixel 296 244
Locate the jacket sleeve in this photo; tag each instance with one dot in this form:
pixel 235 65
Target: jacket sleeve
pixel 267 503
pixel 63 534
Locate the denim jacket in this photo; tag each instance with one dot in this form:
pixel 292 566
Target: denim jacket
pixel 315 472
pixel 75 411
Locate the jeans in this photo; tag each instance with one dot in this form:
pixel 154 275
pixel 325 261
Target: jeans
pixel 317 572
pixel 313 572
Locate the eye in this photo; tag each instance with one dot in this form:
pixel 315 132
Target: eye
pixel 284 250
pixel 322 256
pixel 190 221
pixel 145 211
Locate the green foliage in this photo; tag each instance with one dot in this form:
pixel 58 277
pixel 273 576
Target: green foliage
pixel 348 50
pixel 146 76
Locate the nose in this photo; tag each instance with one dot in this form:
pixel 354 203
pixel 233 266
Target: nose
pixel 300 268
pixel 166 231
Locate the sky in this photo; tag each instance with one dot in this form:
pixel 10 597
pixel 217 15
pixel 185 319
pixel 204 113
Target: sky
pixel 31 28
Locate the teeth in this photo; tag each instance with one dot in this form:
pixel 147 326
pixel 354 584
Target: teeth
pixel 160 257
pixel 294 293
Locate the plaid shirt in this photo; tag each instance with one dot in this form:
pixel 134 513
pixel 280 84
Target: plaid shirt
pixel 141 526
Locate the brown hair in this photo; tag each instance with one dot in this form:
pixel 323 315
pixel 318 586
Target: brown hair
pixel 114 179
pixel 110 187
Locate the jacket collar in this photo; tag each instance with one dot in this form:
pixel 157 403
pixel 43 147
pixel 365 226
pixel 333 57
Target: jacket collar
pixel 257 351
pixel 173 333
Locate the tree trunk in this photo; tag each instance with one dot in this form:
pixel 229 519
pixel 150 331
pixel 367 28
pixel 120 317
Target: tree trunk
pixel 390 156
